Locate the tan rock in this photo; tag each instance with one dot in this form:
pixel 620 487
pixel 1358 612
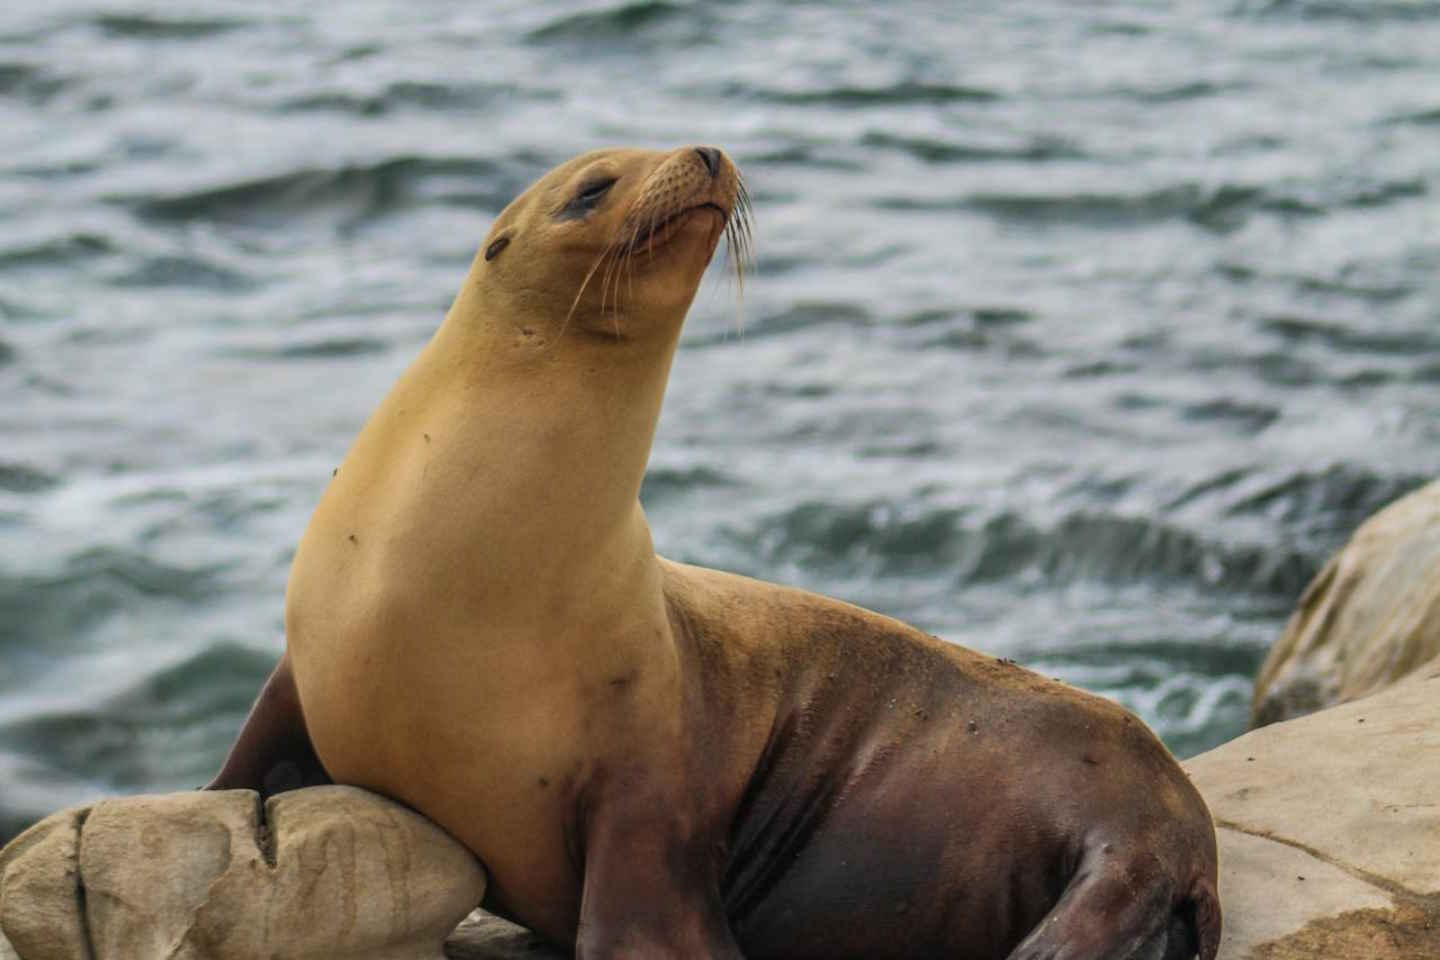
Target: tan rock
pixel 483 936
pixel 40 911
pixel 1257 873
pixel 1368 619
pixel 148 864
pixel 1329 830
pixel 327 872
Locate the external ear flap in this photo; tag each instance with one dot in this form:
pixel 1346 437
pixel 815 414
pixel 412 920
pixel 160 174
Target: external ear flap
pixel 493 251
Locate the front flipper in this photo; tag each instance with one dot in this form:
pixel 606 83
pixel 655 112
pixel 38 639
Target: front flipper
pixel 273 752
pixel 1120 908
pixel 649 893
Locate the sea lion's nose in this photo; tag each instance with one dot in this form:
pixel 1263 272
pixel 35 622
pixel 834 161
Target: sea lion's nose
pixel 710 156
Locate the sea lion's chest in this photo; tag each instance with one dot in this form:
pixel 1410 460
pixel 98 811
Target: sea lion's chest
pixel 410 689
pixel 479 742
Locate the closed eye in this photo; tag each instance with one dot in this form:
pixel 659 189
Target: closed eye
pixel 586 198
pixel 594 191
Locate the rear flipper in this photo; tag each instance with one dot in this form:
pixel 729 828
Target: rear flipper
pixel 1119 910
pixel 273 752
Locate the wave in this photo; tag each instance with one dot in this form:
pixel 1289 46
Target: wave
pixel 1248 417
pixel 174 724
pixel 801 316
pixel 414 94
pixel 1331 502
pixel 143 26
pixel 1353 11
pixel 1216 207
pixel 624 21
pixel 1345 338
pixel 664 483
pixel 1176 93
pixel 957 329
pixel 334 347
pixel 32 83
pixel 172 271
pixel 976 328
pixel 59 252
pixel 1419 118
pixel 1285 367
pixel 931 150
pixel 809 153
pixel 1321 507
pixel 18 477
pixel 857 97
pixel 44 610
pixel 1221 209
pixel 878 538
pixel 1370 292
pixel 357 192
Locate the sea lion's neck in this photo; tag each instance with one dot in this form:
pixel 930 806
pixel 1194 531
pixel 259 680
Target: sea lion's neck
pixel 503 473
pixel 588 403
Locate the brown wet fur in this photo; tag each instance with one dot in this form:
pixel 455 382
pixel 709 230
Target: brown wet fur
pixel 659 760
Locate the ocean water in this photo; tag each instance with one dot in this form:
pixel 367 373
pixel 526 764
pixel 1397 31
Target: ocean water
pixel 1080 333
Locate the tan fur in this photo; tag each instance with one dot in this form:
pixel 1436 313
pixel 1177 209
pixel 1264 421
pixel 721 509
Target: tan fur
pixel 480 563
pixel 654 759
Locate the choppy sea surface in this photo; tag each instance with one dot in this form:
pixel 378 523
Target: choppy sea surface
pixel 1080 333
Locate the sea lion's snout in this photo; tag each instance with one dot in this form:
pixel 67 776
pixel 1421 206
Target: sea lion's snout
pixel 711 157
pixel 698 183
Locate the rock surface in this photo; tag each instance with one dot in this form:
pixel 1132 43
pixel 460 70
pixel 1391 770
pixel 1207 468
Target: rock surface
pixel 483 936
pixel 1368 619
pixel 1329 831
pixel 325 872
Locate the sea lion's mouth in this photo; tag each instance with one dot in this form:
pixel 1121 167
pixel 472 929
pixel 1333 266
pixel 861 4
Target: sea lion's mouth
pixel 654 235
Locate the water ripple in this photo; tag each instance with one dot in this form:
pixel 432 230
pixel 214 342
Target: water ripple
pixel 31 82
pixel 1080 336
pixel 882 539
pixel 44 608
pixel 908 92
pixel 144 27
pixel 934 150
pixel 351 193
pixel 1348 11
pixel 57 252
pixel 162 728
pixel 173 272
pixel 1299 331
pixel 21 477
pixel 629 22
pixel 408 94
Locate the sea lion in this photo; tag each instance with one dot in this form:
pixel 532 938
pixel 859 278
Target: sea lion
pixel 659 760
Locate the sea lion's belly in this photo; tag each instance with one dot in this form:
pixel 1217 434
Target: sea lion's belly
pixel 897 846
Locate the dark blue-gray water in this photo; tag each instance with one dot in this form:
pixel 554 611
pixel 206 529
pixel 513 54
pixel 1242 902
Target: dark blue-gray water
pixel 1080 333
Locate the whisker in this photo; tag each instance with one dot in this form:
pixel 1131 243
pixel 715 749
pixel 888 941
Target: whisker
pixel 630 278
pixel 650 234
pixel 627 264
pixel 612 273
pixel 739 245
pixel 581 292
pixel 605 283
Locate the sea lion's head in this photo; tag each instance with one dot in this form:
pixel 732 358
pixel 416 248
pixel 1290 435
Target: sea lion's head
pixel 612 244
